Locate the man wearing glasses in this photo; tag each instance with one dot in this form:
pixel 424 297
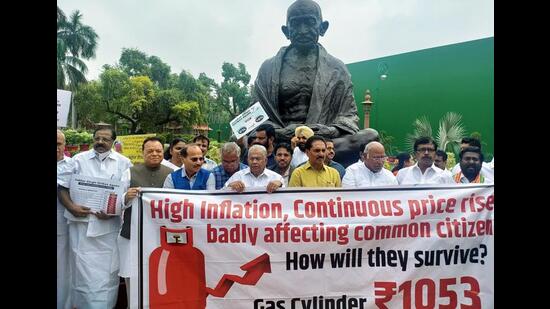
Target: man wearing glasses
pixel 370 172
pixel 191 176
pixel 93 235
pixel 424 171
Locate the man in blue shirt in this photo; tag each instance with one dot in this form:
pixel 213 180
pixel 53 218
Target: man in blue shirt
pixel 230 154
pixel 191 176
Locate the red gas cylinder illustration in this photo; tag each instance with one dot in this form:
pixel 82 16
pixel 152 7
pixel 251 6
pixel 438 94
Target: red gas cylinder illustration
pixel 111 204
pixel 177 273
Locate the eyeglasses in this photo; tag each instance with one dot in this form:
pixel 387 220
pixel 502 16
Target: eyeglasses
pixel 197 159
pixel 102 139
pixel 421 150
pixel 255 159
pixel 381 159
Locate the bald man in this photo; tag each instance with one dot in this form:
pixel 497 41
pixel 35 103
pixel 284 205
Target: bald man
pixel 371 171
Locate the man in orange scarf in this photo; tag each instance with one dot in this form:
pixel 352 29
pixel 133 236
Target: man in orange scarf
pixel 471 159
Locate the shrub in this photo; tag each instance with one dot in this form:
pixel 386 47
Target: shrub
pixel 73 137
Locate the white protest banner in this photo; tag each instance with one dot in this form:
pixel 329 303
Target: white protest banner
pixel 248 120
pixel 63 105
pixel 385 247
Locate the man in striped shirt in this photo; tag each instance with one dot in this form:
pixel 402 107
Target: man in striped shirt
pixel 230 154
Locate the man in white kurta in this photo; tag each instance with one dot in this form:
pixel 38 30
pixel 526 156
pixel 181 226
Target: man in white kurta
pixel 93 235
pixel 256 175
pixel 487 168
pixel 424 171
pixel 63 269
pixel 471 159
pixel 369 172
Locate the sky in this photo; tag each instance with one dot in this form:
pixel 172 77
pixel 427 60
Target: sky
pixel 200 35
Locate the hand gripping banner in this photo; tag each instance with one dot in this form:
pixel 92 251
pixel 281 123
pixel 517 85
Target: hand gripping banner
pixel 384 247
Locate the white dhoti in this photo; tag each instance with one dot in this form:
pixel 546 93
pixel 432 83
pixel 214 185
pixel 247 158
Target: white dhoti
pixel 124 253
pixel 63 264
pixel 95 264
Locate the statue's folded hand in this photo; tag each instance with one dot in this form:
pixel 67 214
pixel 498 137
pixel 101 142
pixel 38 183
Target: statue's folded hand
pixel 323 130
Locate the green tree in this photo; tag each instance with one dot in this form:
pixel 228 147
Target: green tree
pixel 75 41
pixel 160 72
pixel 197 90
pixel 116 96
pixel 187 112
pixel 171 106
pixel 135 63
pixel 234 85
pixel 89 106
pixel 161 111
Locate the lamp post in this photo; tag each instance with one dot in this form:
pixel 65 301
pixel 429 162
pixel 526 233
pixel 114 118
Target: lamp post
pixel 367 105
pixel 383 74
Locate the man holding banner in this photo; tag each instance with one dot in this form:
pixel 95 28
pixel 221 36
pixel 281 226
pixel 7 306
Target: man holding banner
pixel 370 171
pixel 93 234
pixel 151 173
pixel 191 176
pixel 256 175
pixel 314 173
pixel 471 160
pixel 424 171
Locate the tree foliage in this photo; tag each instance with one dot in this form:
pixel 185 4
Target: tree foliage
pixel 137 63
pixel 235 86
pixel 141 92
pixel 75 41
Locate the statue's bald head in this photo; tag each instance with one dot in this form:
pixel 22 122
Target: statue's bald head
pixel 304 24
pixel 304 7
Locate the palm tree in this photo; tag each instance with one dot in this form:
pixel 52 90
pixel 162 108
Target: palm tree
pixel 421 128
pixel 75 41
pixel 449 134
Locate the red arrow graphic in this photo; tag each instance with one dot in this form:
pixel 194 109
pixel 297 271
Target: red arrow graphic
pixel 254 271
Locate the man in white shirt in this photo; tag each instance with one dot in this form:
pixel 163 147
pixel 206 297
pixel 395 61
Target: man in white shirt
pixel 470 167
pixel 283 156
pixel 63 269
pixel 441 161
pixel 299 155
pixel 486 169
pixel 265 135
pixel 204 143
pixel 371 171
pixel 424 171
pixel 93 235
pixel 256 175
